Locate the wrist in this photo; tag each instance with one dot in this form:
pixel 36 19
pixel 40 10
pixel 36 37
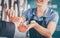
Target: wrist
pixel 36 26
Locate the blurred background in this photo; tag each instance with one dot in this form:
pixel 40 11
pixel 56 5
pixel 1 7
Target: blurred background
pixel 22 5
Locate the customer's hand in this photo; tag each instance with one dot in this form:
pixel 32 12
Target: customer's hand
pixel 10 13
pixel 22 27
pixel 14 19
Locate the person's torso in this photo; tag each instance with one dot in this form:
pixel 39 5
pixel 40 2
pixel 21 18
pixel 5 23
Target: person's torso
pixel 43 21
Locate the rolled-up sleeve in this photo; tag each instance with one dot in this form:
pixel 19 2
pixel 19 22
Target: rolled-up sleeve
pixel 55 17
pixel 25 14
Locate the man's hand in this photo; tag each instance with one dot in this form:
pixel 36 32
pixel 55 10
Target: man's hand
pixel 22 27
pixel 25 28
pixel 32 24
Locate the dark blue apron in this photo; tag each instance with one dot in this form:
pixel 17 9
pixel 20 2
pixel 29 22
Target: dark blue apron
pixel 33 33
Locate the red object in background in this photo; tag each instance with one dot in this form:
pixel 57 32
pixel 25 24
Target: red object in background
pixel 22 28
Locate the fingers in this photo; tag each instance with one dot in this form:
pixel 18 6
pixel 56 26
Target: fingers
pixel 25 28
pixel 32 21
pixel 14 19
pixel 10 13
pixel 22 28
pixel 22 19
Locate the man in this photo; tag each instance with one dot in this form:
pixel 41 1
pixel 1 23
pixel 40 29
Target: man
pixel 42 20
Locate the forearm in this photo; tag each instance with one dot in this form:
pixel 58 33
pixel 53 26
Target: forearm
pixel 43 31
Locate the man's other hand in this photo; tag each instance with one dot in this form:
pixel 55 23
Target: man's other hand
pixel 22 28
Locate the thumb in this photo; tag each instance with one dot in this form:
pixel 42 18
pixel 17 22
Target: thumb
pixel 32 21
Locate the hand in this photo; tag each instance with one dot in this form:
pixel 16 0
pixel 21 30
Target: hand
pixel 32 24
pixel 22 28
pixel 10 13
pixel 14 19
